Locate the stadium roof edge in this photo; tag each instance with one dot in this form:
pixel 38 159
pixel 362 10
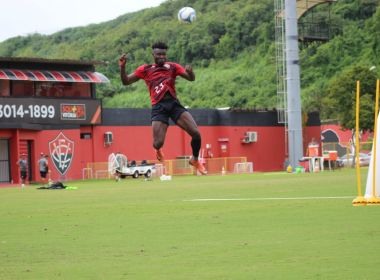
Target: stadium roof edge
pixel 51 61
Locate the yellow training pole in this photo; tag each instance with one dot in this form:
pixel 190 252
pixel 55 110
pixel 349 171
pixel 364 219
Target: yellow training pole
pixel 374 200
pixel 359 200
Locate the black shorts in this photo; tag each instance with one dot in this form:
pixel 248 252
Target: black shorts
pixel 43 174
pixel 23 174
pixel 167 108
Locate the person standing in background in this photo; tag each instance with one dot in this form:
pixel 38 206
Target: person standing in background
pixel 43 165
pixel 23 165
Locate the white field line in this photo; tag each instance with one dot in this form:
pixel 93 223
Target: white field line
pixel 269 198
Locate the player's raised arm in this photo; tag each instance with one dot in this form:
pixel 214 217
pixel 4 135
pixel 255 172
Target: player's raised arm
pixel 189 74
pixel 125 78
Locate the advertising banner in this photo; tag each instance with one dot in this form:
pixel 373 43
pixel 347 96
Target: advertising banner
pixel 50 111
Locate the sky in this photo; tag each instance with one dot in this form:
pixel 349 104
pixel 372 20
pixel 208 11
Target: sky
pixel 23 17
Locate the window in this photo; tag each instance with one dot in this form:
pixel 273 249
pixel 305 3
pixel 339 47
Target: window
pixel 4 87
pixel 22 88
pixel 46 89
pixel 85 135
pixel 60 89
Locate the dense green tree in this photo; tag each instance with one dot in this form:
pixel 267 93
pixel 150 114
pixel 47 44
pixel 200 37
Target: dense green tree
pixel 340 100
pixel 232 49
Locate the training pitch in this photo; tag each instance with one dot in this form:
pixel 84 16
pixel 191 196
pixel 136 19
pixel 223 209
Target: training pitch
pixel 253 226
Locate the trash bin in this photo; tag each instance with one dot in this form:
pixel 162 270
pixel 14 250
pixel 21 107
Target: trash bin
pixel 313 150
pixel 300 169
pixel 305 164
pixel 333 155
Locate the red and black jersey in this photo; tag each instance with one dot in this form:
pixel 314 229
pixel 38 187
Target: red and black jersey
pixel 160 79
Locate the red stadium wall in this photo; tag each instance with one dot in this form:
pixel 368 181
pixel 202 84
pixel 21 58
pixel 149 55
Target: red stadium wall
pixel 337 138
pixel 342 136
pixel 267 154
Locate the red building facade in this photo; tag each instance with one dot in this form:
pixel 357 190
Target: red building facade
pixel 50 107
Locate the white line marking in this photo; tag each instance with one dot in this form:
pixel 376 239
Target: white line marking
pixel 271 198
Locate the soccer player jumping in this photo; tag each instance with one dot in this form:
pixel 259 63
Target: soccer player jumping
pixel 160 79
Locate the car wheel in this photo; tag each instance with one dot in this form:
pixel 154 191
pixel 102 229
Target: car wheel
pixel 135 174
pixel 148 174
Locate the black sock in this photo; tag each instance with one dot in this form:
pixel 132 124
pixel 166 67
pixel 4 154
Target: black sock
pixel 196 146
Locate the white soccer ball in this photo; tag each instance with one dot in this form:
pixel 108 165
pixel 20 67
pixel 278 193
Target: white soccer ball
pixel 187 15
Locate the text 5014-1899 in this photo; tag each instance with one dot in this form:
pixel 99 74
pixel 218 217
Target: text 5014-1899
pixel 32 111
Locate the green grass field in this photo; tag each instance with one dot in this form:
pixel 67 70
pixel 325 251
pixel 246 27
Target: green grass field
pixel 258 226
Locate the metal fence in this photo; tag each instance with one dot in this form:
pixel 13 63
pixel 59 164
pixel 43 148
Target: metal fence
pixel 346 154
pixel 344 148
pixel 180 166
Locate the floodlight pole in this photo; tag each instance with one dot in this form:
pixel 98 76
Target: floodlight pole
pixel 293 84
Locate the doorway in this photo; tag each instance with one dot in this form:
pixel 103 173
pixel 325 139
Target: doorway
pixel 26 147
pixel 5 170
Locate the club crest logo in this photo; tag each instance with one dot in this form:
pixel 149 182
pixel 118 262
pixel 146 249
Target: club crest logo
pixel 61 153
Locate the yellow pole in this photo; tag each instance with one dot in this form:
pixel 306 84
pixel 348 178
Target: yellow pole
pixel 374 199
pixel 359 200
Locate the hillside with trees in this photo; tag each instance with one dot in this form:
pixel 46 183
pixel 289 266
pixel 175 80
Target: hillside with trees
pixel 231 47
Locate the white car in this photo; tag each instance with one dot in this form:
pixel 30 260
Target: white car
pixel 120 167
pixel 347 159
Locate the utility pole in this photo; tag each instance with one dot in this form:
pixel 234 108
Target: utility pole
pixel 293 84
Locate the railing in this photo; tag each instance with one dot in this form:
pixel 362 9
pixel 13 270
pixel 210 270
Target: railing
pixel 223 165
pixel 344 148
pixel 345 153
pixel 317 31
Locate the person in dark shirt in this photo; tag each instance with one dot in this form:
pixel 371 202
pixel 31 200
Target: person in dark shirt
pixel 43 165
pixel 23 165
